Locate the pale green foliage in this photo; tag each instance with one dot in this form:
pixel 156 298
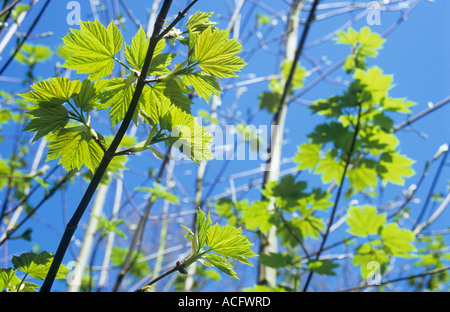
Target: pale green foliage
pixel 32 264
pixel 164 104
pixel 212 245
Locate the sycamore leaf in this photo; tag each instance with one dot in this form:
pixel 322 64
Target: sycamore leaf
pixel 193 139
pixel 397 105
pixel 277 260
pixel 205 85
pixel 31 54
pixel 216 54
pixel 160 192
pixel 324 267
pixel 308 156
pixel 269 101
pixel 199 21
pixel 257 216
pixel 47 120
pixel 362 176
pixel 76 147
pixel 159 64
pixel 229 242
pixel 399 241
pixel 366 255
pixel 203 224
pixel 87 97
pixel 8 280
pixel 37 265
pixel 92 49
pixel 219 262
pixel 116 97
pixel 365 221
pixel 330 168
pixel 393 167
pixel 136 52
pixel 286 192
pixel 55 92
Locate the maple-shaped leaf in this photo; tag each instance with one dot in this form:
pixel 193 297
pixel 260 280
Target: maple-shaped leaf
pixel 92 48
pixel 76 147
pixel 367 255
pixel 399 241
pixel 192 139
pixel 56 91
pixel 116 96
pixel 205 85
pixel 308 156
pixel 394 167
pixel 365 221
pixel 216 53
pixel 46 120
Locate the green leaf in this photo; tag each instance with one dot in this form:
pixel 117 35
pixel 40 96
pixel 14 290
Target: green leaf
pixel 199 21
pixel 160 192
pixel 286 192
pixel 203 224
pixel 229 242
pixel 32 54
pixel 159 64
pixel 87 98
pixel 193 140
pixel 399 241
pixel 76 147
pixel 205 85
pixel 116 96
pixel 8 280
pixel 269 101
pixel 277 260
pixel 361 176
pixel 55 92
pixel 135 54
pixel 37 265
pixel 330 168
pixel 92 49
pixel 366 254
pixel 324 267
pixel 216 54
pixel 47 120
pixel 393 167
pixel 365 221
pixel 308 156
pixel 221 263
pixel 257 216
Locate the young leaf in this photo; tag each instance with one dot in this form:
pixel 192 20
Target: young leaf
pixel 399 241
pixel 135 54
pixel 308 156
pixel 47 120
pixel 92 49
pixel 76 147
pixel 365 221
pixel 324 267
pixel 199 21
pixel 37 265
pixel 204 85
pixel 256 216
pixel 55 92
pixel 216 54
pixel 116 97
pixel 366 254
pixel 221 263
pixel 229 242
pixel 160 192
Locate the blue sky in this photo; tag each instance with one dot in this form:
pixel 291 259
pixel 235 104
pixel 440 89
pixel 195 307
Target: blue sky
pixel 416 54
